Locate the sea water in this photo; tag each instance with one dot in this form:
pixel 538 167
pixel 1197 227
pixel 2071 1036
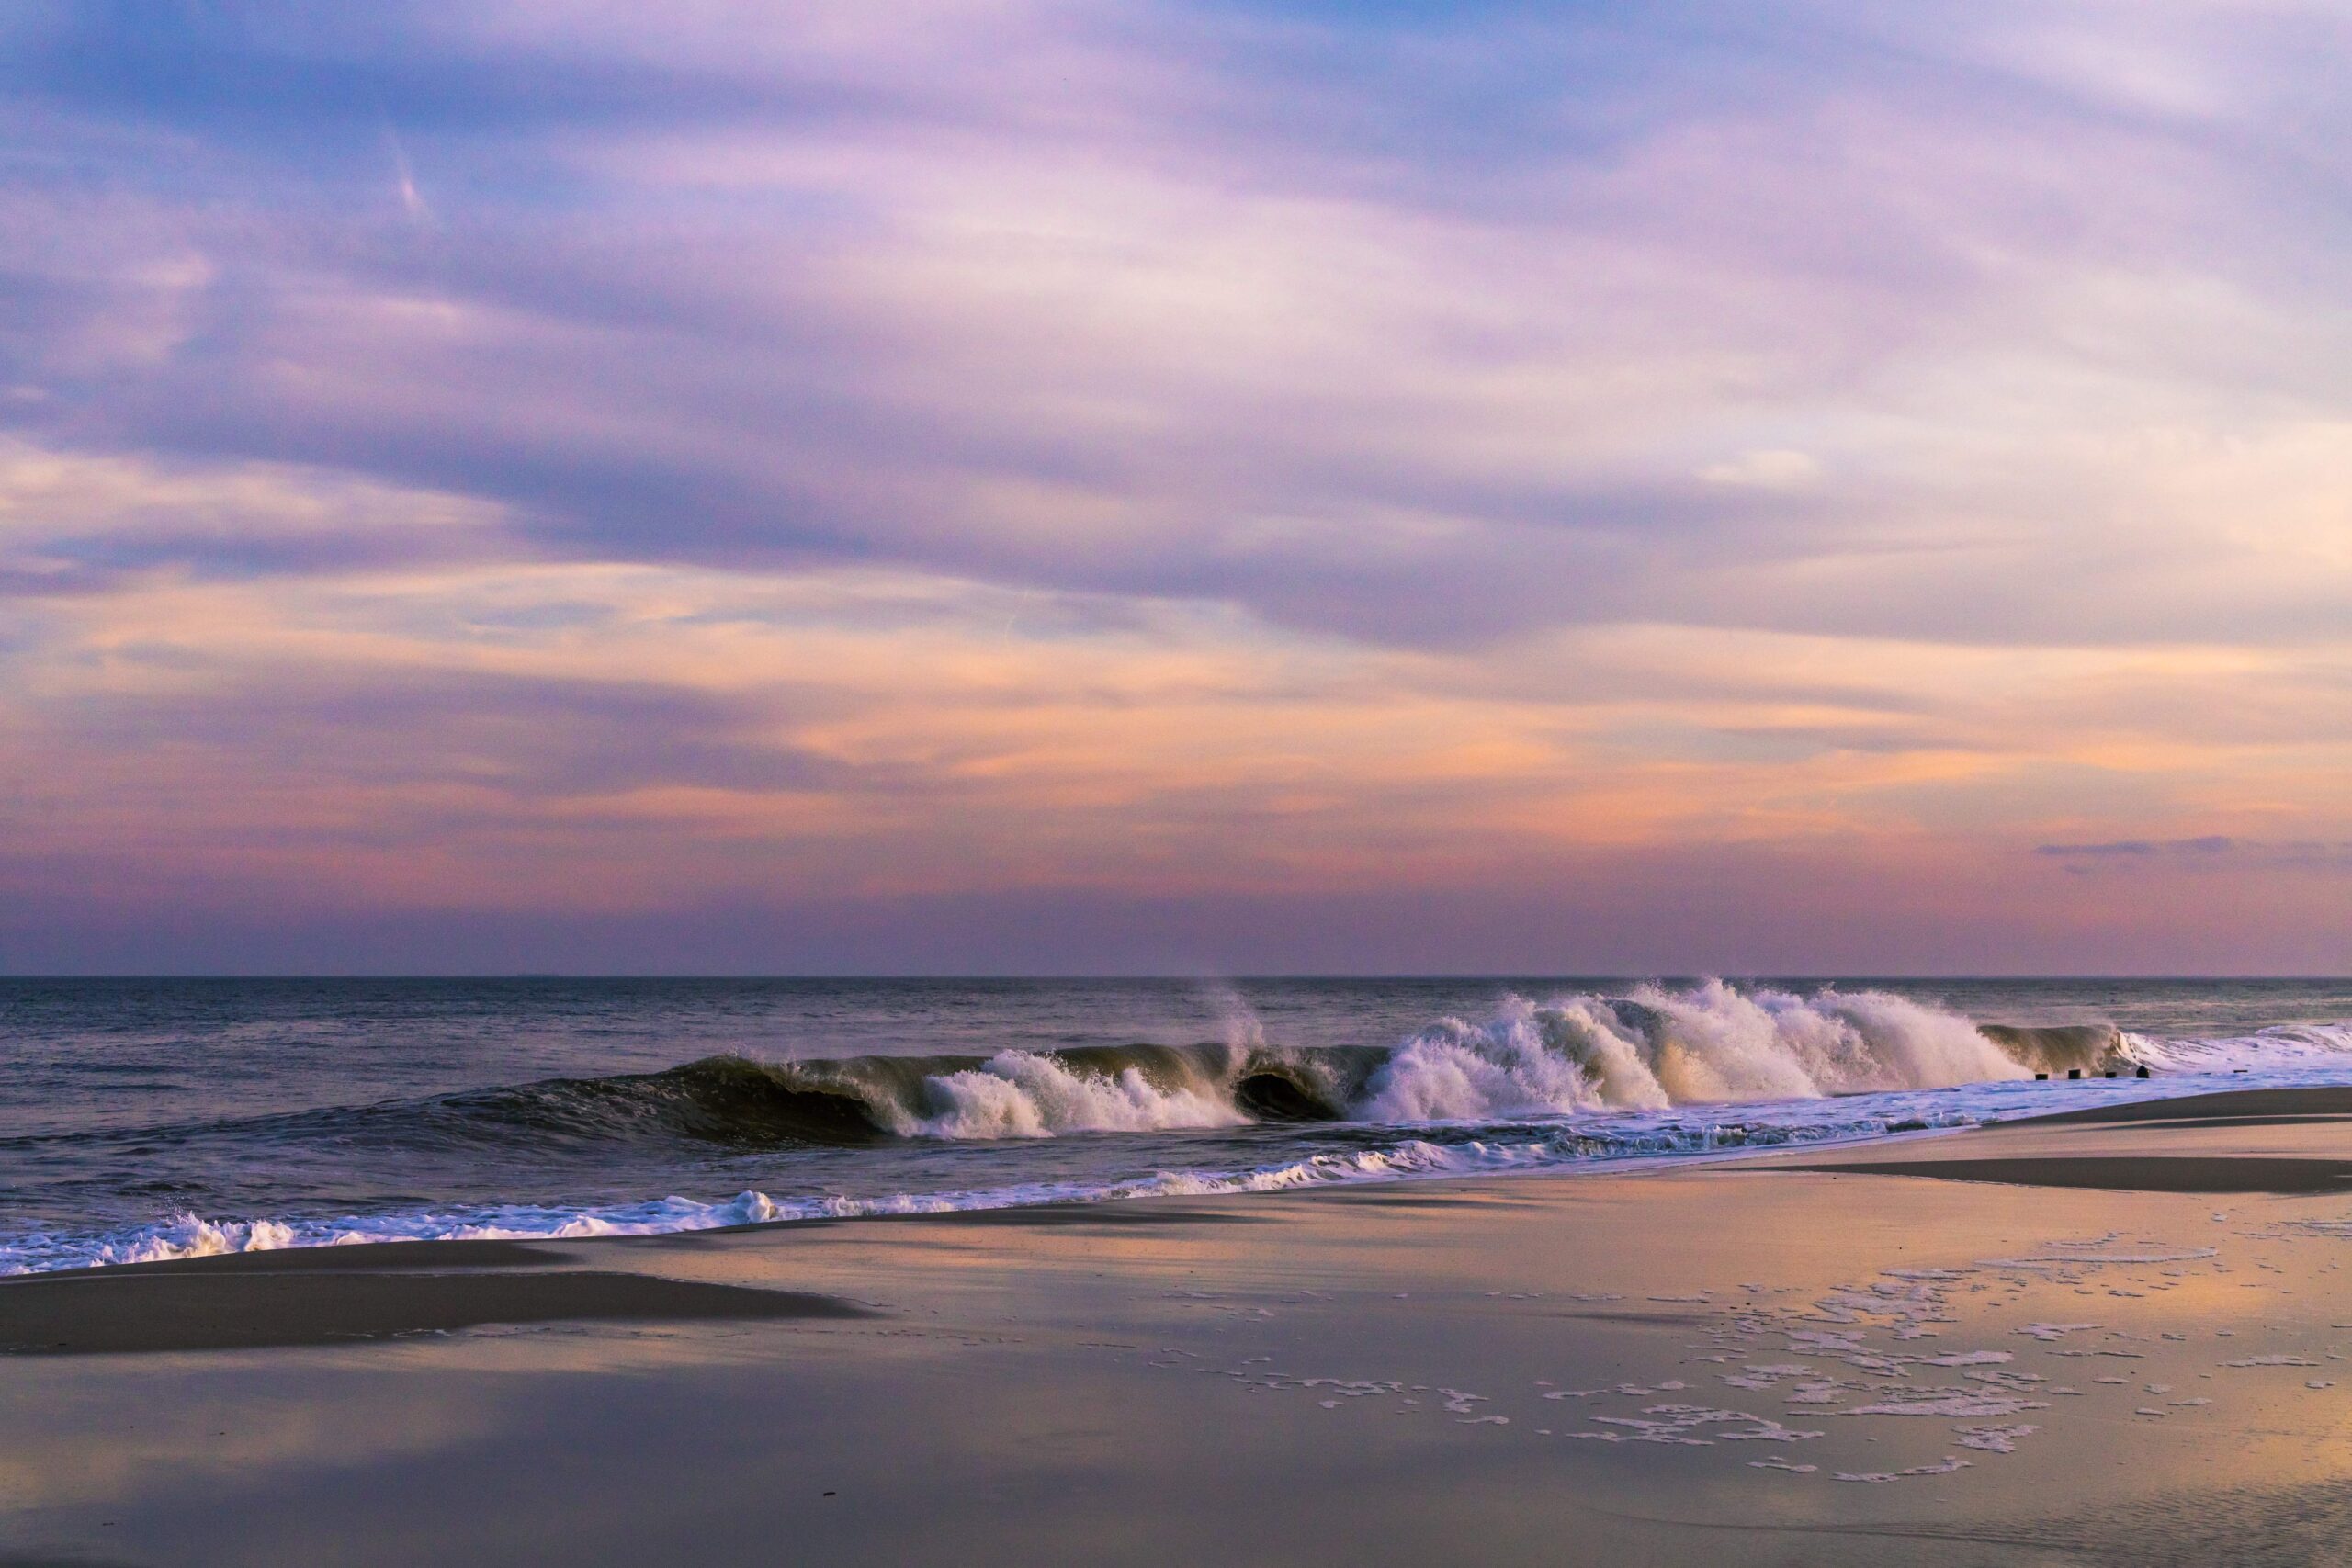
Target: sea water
pixel 151 1119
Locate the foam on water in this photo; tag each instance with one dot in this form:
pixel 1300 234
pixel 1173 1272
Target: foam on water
pixel 189 1236
pixel 1647 1050
pixel 2287 1054
pixel 1023 1094
pixel 1492 1149
pixel 1581 1079
pixel 1654 1047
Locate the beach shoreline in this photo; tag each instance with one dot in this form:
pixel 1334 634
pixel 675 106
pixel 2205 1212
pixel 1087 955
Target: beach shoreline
pixel 1777 1359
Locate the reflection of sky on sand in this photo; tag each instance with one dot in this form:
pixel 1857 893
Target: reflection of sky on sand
pixel 89 1436
pixel 1387 1376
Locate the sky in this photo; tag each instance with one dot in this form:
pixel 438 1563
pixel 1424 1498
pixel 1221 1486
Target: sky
pixel 1176 486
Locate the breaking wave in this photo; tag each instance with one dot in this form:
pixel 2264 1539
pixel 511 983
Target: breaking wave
pixel 1649 1049
pixel 1653 1072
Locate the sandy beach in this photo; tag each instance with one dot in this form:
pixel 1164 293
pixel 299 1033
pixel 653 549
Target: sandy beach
pixel 1211 783
pixel 2117 1338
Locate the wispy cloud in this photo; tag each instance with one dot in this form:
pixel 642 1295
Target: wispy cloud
pixel 954 449
pixel 2212 844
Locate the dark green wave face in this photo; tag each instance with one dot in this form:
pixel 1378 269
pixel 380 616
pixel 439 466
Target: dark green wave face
pixel 2060 1047
pixel 739 1101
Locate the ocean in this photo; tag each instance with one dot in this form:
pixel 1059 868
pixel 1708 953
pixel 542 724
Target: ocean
pixel 145 1119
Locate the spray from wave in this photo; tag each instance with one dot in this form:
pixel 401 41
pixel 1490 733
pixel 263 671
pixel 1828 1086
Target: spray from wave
pixel 1653 1071
pixel 1654 1048
pixel 1647 1050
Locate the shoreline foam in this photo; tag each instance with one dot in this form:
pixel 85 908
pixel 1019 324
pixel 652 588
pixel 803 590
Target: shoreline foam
pixel 1706 1363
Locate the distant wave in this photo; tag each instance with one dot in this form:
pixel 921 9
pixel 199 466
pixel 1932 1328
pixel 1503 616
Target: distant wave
pixel 1649 1049
pixel 1654 1072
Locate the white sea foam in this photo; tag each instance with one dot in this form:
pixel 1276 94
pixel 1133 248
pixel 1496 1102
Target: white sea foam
pixel 2288 1054
pixel 186 1236
pixel 1021 1094
pixel 1657 1074
pixel 1711 1044
pixel 1652 1049
pixel 1457 1072
pixel 1596 1138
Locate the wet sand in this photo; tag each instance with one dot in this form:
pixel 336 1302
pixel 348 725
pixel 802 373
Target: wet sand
pixel 2126 1173
pixel 1944 1350
pixel 87 1313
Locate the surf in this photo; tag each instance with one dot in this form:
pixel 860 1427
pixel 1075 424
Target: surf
pixel 1533 1081
pixel 1648 1048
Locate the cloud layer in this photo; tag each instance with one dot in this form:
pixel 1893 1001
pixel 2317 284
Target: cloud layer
pixel 1044 485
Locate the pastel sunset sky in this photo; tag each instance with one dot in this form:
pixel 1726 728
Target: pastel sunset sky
pixel 1176 486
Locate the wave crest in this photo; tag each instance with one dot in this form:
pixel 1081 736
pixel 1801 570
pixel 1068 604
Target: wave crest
pixel 1023 1094
pixel 1650 1048
pixel 1654 1048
